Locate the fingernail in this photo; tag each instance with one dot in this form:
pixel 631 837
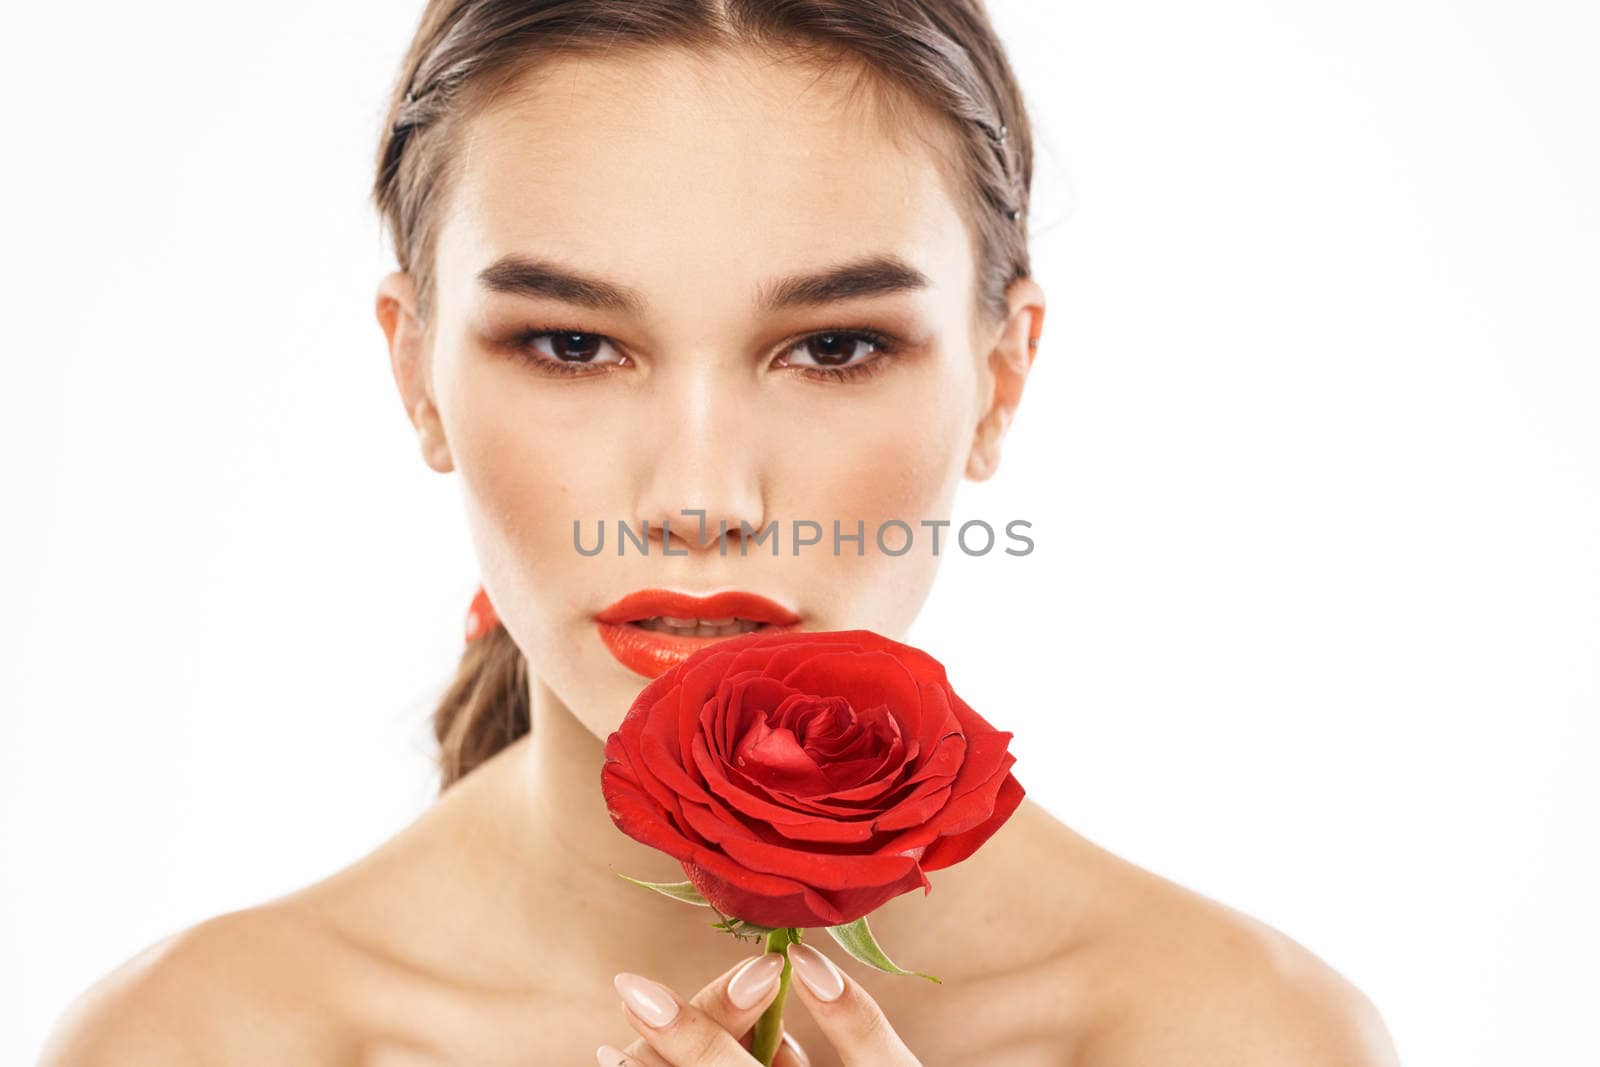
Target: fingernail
pixel 755 979
pixel 795 1050
pixel 649 1001
pixel 611 1056
pixel 816 971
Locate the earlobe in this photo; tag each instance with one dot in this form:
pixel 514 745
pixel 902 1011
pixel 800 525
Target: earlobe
pixel 431 437
pixel 979 464
pixel 1008 363
pixel 396 312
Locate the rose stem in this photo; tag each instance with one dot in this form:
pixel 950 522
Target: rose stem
pixel 769 1028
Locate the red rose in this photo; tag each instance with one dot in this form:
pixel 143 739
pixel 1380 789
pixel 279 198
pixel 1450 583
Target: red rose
pixel 803 778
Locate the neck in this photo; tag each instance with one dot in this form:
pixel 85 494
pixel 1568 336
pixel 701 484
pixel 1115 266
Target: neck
pixel 560 777
pixel 573 855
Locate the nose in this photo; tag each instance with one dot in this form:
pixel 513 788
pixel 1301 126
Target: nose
pixel 703 453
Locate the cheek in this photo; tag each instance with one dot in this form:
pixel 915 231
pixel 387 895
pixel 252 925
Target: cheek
pixel 519 468
pixel 897 458
pixel 529 462
pixel 895 472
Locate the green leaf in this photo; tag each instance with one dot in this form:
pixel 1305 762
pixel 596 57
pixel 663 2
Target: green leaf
pixel 744 931
pixel 856 939
pixel 684 891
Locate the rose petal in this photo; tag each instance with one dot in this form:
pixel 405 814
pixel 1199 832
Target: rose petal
pixel 948 851
pixel 918 663
pixel 789 823
pixel 716 825
pixel 914 810
pixel 727 715
pixel 775 662
pixel 857 901
pixel 982 763
pixel 764 899
pixel 775 757
pixel 636 815
pixel 865 679
pixel 825 871
pixel 623 746
pixel 700 684
pixel 960 816
pixel 658 751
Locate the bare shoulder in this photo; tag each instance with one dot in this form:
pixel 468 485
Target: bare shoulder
pixel 236 988
pixel 1186 980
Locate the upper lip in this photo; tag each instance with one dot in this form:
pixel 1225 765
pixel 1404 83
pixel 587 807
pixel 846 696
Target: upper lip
pixel 653 603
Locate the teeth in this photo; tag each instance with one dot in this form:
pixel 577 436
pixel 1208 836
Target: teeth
pixel 699 627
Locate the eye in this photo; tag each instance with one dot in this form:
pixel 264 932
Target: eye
pixel 563 351
pixel 840 355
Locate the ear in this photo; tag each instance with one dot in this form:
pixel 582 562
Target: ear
pixel 1005 369
pixel 397 314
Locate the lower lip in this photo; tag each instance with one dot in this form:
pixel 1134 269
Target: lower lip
pixel 653 653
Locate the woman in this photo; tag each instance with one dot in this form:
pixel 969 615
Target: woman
pixel 762 262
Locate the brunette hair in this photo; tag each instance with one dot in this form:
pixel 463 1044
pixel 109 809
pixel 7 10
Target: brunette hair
pixel 941 53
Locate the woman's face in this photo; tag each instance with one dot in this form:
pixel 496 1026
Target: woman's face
pixel 672 220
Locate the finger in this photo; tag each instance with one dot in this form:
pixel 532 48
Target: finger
pixel 849 1018
pixel 790 1054
pixel 682 1032
pixel 639 1050
pixel 711 1000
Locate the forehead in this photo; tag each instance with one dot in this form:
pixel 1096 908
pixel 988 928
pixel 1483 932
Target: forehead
pixel 659 166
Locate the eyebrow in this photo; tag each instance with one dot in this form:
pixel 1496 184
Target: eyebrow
pixel 873 275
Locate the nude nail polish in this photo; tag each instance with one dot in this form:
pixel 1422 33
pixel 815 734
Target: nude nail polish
pixel 755 979
pixel 649 1001
pixel 795 1050
pixel 611 1056
pixel 816 971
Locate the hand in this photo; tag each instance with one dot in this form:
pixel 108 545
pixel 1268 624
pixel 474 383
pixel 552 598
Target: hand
pixel 850 1019
pixel 702 1031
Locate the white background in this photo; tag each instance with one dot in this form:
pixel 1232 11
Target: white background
pixel 1313 623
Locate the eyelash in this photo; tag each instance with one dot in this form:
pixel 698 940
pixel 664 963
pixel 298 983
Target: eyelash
pixel 887 348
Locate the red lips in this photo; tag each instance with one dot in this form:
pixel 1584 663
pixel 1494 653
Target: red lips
pixel 653 653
